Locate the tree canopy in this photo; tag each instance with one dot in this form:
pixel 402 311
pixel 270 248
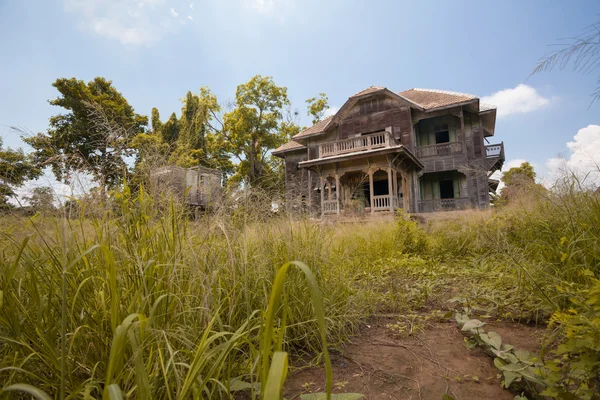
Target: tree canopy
pixel 93 136
pixel 15 169
pixel 317 106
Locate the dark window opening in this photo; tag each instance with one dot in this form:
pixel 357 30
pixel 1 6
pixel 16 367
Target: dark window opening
pixel 442 137
pixel 446 189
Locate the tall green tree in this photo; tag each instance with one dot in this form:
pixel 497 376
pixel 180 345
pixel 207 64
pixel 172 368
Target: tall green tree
pixel 15 169
pixel 42 198
pixel 255 127
pixel 317 107
pixel 93 135
pixel 517 180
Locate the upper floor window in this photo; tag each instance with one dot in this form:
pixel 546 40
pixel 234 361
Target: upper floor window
pixel 442 134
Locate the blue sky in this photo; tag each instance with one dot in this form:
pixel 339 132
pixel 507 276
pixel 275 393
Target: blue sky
pixel 154 51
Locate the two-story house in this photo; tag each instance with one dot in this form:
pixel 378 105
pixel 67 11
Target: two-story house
pixel 420 150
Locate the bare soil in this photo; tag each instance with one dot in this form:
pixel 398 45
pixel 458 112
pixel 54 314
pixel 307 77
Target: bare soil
pixel 434 362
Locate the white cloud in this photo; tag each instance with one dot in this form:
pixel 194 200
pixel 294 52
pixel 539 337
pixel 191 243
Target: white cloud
pixel 520 99
pixel 190 18
pixel 192 6
pixel 582 158
pixel 131 22
pixel 331 111
pixel 275 8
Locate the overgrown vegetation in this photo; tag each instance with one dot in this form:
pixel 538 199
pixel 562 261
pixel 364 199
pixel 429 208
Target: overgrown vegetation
pixel 137 300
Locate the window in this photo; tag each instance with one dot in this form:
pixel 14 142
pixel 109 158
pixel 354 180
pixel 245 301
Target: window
pixel 447 189
pixel 442 134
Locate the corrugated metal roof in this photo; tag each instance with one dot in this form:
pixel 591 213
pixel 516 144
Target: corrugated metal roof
pixel 486 107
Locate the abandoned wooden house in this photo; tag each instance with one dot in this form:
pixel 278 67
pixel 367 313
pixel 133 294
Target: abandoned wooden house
pixel 197 187
pixel 419 150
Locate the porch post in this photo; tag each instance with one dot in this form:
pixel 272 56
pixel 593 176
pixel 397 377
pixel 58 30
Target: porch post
pixel 390 189
pixel 395 180
pixel 328 189
pixel 309 206
pixel 371 191
pixel 322 196
pixel 338 192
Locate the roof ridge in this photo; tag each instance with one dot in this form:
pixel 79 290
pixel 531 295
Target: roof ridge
pixel 444 92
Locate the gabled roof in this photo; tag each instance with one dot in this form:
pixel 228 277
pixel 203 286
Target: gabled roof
pixel 421 99
pixel 316 128
pixel 289 146
pixel 431 99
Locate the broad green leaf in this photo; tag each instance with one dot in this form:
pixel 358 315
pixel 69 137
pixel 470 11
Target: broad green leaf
pixel 472 324
pixel 509 377
pixel 495 340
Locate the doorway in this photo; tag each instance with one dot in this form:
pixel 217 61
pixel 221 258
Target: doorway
pixel 447 189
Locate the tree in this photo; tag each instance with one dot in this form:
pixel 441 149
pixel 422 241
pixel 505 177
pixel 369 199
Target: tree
pixel 523 174
pixel 317 106
pixel 15 169
pixel 255 127
pixel 583 51
pixel 94 136
pixel 517 180
pixel 42 198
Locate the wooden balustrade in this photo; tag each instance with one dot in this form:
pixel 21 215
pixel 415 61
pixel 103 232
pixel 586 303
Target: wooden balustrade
pixel 330 207
pixel 443 204
pixel 356 144
pixel 381 202
pixel 494 150
pixel 442 149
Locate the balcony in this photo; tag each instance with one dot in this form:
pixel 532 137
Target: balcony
pixel 494 150
pixel 494 153
pixel 442 149
pixel 372 141
pixel 443 204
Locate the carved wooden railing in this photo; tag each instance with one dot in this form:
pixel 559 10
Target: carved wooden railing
pixel 494 150
pixel 357 144
pixel 330 206
pixel 443 204
pixel 442 149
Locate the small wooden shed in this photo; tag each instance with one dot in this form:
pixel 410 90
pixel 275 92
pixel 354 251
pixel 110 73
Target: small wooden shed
pixel 197 186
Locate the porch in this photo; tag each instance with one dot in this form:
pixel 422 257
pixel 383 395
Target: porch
pixel 443 191
pixel 370 191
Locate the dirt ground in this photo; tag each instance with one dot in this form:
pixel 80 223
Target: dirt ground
pixel 384 365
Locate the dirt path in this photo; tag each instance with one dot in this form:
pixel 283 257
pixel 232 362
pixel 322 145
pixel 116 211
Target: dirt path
pixel 383 365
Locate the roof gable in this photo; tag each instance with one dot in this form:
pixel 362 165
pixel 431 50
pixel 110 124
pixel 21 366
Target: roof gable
pixel 431 99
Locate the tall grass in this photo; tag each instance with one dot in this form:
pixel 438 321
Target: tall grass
pixel 139 300
pixel 133 299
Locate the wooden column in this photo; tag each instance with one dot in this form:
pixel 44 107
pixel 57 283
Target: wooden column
pixel 309 205
pixel 390 189
pixel 395 180
pixel 338 192
pixel 322 196
pixel 371 191
pixel 328 189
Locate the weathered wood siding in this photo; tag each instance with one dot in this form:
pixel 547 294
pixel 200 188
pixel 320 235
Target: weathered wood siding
pixel 375 114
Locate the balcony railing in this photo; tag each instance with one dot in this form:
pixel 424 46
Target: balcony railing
pixel 443 204
pixel 442 149
pixel 381 203
pixel 357 144
pixel 330 206
pixel 494 150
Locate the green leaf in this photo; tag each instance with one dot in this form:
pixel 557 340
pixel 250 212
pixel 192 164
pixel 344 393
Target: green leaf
pixel 472 324
pixel 509 377
pixel 277 374
pixel 495 340
pixel 38 394
pixel 236 385
pixel 114 392
pixel 337 396
pixel 446 396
